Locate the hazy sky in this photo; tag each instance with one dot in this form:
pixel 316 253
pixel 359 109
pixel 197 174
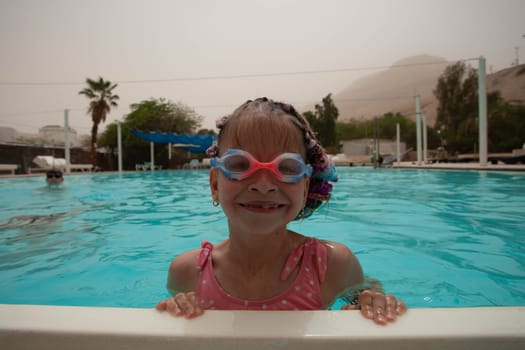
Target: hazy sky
pixel 173 49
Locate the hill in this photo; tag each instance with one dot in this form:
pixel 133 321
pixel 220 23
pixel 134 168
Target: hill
pixel 393 90
pixel 510 82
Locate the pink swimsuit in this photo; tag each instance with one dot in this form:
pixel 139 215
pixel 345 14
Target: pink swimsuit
pixel 303 294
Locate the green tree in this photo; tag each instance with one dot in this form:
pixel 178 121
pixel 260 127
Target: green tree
pixel 323 121
pixel 351 130
pixel 206 132
pixel 457 113
pixel 108 138
pixel 150 115
pixel 506 125
pixel 386 128
pixel 457 96
pixel 312 120
pixel 100 93
pixel 159 114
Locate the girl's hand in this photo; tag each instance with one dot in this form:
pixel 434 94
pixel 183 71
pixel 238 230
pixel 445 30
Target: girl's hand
pixel 378 307
pixel 182 304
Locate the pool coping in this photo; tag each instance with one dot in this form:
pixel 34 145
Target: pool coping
pixel 67 327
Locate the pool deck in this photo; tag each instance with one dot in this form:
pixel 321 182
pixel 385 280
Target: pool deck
pixel 460 166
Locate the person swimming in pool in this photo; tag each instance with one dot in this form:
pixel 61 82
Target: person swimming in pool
pixel 54 177
pixel 268 168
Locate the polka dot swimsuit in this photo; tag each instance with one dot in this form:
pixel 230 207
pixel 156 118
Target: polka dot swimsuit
pixel 303 294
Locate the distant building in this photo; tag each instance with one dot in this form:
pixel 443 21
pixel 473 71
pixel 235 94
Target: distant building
pixel 360 152
pixel 49 135
pixel 7 135
pixel 366 147
pixel 55 134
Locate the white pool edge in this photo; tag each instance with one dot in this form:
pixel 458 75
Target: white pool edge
pixel 64 327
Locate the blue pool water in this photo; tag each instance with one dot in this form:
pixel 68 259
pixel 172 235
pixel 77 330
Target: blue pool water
pixel 435 238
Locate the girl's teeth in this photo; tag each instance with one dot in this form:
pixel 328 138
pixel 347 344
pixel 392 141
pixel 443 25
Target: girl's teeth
pixel 264 206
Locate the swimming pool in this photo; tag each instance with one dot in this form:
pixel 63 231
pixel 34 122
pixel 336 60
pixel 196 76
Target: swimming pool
pixel 435 238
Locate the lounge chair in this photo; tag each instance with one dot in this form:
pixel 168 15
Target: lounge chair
pixel 9 167
pixel 81 167
pixel 194 164
pixel 206 162
pixel 46 163
pixel 147 166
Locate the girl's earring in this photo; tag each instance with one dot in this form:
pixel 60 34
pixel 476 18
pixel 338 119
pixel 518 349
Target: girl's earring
pixel 215 203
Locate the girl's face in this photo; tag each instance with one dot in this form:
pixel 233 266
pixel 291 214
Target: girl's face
pixel 260 203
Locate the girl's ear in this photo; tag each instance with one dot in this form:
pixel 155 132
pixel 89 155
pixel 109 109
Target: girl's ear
pixel 214 187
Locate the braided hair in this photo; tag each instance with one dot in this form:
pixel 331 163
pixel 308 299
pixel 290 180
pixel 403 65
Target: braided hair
pixel 323 169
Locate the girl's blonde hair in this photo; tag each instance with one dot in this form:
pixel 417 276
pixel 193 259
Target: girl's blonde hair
pixel 252 122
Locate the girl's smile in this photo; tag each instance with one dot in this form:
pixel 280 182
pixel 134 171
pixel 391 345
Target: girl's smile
pixel 262 206
pixel 259 204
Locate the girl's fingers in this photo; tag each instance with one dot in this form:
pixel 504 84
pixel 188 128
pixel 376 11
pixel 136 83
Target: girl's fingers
pixel 350 307
pixel 195 303
pixel 391 305
pixel 161 305
pixel 188 304
pixel 365 301
pixel 401 307
pixel 379 307
pixel 182 304
pixel 173 307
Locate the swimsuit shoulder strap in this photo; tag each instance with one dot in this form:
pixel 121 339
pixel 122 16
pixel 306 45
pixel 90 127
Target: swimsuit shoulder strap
pixel 204 255
pixel 313 252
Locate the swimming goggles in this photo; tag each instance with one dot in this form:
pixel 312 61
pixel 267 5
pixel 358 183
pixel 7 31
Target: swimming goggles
pixel 53 174
pixel 237 164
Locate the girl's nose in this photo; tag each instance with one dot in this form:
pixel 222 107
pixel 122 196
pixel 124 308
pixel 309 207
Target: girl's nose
pixel 263 181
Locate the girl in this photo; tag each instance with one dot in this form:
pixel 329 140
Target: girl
pixel 269 169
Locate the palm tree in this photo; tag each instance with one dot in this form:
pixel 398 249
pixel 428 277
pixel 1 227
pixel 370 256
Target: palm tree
pixel 100 92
